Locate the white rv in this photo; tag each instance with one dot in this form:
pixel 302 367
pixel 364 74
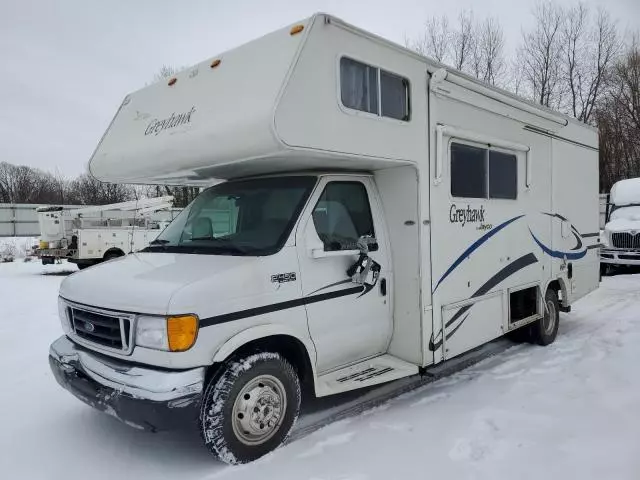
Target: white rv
pixel 621 237
pixel 89 235
pixel 379 215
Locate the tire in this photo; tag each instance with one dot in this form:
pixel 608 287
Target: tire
pixel 111 255
pixel 255 384
pixel 544 331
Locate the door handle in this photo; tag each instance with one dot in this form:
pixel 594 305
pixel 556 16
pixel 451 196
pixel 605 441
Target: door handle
pixel 383 287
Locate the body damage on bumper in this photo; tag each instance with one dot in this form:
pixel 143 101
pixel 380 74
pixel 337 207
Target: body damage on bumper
pixel 152 399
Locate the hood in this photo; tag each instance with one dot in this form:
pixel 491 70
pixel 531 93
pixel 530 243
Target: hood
pixel 146 282
pixel 622 225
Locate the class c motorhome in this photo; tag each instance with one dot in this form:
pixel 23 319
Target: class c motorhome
pixel 374 214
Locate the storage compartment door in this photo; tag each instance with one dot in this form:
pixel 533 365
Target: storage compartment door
pixel 472 323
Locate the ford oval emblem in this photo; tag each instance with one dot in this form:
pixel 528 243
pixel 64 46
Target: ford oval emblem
pixel 89 327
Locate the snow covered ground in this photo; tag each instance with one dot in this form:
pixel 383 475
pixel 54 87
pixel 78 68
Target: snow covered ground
pixel 571 410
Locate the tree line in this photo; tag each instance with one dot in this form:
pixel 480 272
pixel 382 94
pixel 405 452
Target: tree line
pixel 22 184
pixel 572 59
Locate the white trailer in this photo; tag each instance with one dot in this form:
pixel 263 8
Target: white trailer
pixel 89 235
pixel 382 214
pixel 621 236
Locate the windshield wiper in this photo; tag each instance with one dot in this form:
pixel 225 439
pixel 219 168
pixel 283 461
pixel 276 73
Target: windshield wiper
pixel 159 241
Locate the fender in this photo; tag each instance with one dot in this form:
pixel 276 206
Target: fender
pixel 563 286
pixel 263 331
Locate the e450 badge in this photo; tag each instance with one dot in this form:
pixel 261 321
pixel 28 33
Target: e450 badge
pixel 283 277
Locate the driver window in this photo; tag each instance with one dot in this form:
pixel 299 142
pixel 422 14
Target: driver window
pixel 342 215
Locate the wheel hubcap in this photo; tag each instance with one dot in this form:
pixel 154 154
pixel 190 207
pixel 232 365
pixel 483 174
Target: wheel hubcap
pixel 259 410
pixel 550 318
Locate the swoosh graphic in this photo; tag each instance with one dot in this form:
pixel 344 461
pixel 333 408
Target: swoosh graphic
pixel 503 274
pixel 558 253
pixel 474 247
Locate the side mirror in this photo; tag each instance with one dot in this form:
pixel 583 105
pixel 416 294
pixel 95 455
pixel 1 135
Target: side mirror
pixel 367 243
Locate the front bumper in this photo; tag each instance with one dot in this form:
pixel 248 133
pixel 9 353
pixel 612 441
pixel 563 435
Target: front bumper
pixel 152 399
pixel 617 256
pixel 57 253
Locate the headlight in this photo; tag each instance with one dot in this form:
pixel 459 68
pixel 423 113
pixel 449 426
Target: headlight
pixel 173 334
pixel 63 314
pixel 604 238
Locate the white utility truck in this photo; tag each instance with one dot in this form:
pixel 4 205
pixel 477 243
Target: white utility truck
pixel 90 235
pixel 621 237
pixel 382 215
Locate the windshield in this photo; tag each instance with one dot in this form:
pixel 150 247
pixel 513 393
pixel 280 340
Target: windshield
pixel 248 217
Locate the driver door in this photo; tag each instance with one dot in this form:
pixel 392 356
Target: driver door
pixel 348 322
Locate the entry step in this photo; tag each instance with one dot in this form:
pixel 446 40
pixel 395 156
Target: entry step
pixel 374 371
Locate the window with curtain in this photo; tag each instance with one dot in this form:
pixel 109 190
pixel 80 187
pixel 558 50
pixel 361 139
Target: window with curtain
pixel 372 90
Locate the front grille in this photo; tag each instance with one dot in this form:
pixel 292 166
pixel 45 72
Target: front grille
pixel 625 240
pixel 111 331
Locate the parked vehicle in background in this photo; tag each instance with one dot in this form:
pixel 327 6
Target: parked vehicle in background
pixel 621 236
pixel 90 235
pixel 379 215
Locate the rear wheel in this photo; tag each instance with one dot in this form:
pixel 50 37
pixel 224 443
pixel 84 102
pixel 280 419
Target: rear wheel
pixel 113 254
pixel 544 331
pixel 249 409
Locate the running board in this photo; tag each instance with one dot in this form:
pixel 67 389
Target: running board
pixel 384 368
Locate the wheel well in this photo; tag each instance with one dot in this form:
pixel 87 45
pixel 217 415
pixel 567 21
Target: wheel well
pixel 558 287
pixel 113 252
pixel 292 349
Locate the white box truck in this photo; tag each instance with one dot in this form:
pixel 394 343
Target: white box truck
pixel 621 236
pixel 382 214
pixel 89 235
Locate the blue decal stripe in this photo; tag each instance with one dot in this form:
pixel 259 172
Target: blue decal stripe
pixel 474 247
pixel 556 253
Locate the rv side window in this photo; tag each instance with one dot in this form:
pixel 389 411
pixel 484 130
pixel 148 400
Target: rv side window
pixel 394 96
pixel 372 90
pixel 342 215
pixel 503 175
pixel 478 172
pixel 468 171
pixel 359 86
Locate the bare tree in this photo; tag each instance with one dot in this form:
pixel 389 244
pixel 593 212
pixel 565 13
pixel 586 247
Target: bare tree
pixel 463 40
pixel 539 56
pixel 86 190
pixel 588 53
pixel 435 41
pixel 488 57
pixel 618 118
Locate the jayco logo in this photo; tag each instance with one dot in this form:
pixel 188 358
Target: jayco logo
pixel 156 126
pixel 466 215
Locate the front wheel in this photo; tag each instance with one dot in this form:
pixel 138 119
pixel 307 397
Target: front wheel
pixel 249 409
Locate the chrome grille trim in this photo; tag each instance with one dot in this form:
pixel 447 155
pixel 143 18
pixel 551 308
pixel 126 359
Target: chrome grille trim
pixel 122 322
pixel 625 240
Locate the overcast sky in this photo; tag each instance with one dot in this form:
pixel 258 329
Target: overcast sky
pixel 65 65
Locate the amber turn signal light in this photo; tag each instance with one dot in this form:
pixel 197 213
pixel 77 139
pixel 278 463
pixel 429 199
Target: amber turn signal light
pixel 182 331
